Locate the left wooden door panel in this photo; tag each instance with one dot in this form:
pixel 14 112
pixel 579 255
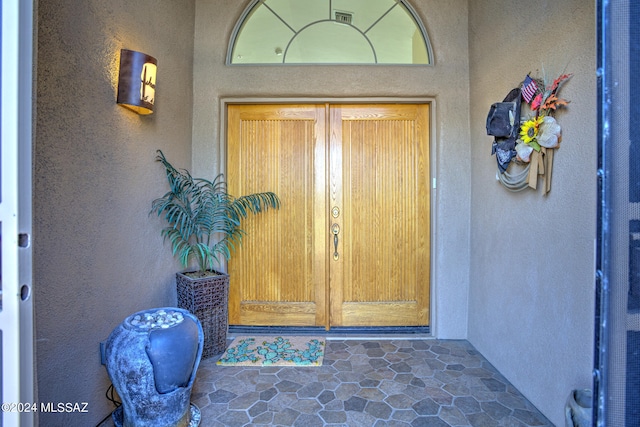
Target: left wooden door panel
pixel 278 277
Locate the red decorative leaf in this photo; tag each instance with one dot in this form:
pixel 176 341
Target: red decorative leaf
pixel 536 102
pixel 559 80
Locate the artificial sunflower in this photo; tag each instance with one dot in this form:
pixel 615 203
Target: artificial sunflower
pixel 529 132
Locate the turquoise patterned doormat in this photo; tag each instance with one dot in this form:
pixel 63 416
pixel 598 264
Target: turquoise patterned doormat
pixel 274 351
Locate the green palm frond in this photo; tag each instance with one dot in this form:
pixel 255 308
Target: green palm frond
pixel 203 218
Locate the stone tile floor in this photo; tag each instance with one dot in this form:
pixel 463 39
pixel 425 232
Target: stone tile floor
pixel 372 382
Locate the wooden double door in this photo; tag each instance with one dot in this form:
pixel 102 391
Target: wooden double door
pixel 350 245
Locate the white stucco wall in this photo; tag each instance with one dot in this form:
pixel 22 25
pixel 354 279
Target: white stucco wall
pixel 447 82
pixel 531 298
pixel 98 257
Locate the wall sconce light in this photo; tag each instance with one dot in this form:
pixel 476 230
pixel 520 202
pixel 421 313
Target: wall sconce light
pixel 137 81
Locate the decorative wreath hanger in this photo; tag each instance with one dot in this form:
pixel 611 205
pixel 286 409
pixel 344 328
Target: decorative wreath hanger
pixel 528 141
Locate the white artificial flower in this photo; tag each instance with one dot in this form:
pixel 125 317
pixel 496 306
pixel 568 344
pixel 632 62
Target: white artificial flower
pixel 524 151
pixel 549 133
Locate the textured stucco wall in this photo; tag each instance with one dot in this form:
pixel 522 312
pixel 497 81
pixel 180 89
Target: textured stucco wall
pixel 531 299
pixel 447 82
pixel 98 257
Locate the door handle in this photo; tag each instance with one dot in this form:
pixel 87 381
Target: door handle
pixel 335 229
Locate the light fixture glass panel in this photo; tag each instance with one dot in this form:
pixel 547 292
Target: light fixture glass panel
pixel 148 82
pixel 330 43
pixel 299 13
pixel 393 37
pixel 261 34
pixel 365 12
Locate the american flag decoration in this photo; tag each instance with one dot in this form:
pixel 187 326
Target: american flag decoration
pixel 529 89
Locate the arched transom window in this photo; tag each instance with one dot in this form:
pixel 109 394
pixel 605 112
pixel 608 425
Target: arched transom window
pixel 329 32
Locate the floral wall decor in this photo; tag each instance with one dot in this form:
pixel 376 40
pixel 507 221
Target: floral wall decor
pixel 529 139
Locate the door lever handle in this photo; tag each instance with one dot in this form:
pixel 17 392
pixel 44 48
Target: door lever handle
pixel 335 229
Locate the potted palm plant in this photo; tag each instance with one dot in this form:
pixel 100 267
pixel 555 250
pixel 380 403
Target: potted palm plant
pixel 204 227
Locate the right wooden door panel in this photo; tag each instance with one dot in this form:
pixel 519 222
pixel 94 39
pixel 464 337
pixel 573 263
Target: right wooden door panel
pixel 380 170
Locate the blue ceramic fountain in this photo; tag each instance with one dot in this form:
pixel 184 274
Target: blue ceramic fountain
pixel 151 359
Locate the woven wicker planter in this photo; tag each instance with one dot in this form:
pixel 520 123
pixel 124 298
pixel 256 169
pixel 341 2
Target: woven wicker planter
pixel 207 298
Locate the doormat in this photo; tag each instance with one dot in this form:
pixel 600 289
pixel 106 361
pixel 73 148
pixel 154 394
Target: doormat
pixel 274 351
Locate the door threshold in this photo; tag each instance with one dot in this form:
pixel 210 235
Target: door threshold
pixel 338 332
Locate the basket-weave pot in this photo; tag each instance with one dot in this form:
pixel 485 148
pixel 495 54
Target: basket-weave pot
pixel 207 298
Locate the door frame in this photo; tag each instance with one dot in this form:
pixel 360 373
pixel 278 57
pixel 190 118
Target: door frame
pixel 16 314
pixel 431 101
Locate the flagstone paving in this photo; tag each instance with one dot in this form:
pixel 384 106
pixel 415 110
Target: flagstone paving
pixel 367 383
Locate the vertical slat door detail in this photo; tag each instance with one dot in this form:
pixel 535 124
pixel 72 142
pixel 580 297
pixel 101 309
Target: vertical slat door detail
pixel 369 161
pixel 386 224
pixel 275 278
